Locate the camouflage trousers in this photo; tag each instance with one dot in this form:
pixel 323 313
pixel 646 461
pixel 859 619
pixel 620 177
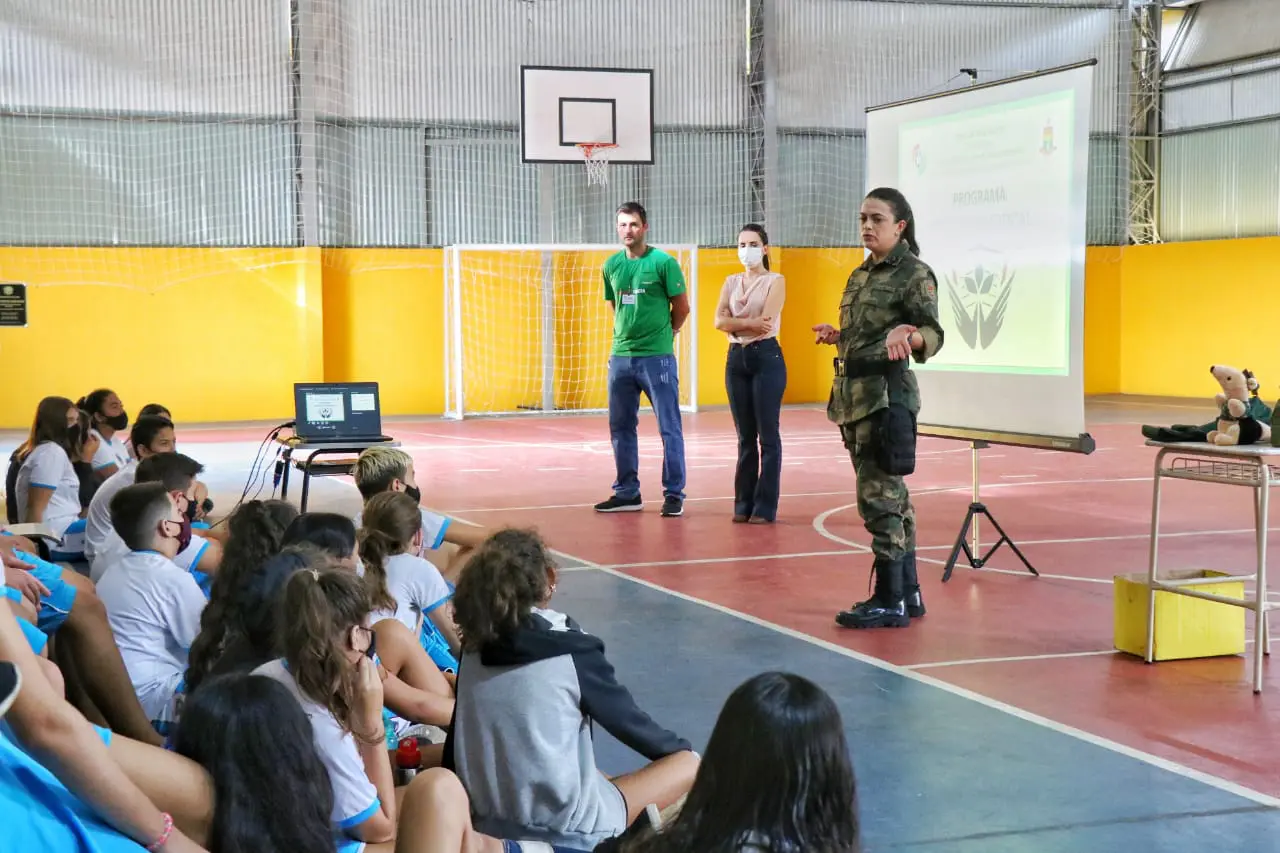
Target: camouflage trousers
pixel 883 500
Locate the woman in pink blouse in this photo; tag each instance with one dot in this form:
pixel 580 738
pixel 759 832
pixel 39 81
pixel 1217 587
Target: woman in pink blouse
pixel 755 375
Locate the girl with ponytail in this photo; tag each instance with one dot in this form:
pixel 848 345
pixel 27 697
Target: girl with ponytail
pixel 255 531
pixel 328 662
pixel 402 585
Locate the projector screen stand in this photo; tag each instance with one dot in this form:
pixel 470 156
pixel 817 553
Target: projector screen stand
pixel 970 526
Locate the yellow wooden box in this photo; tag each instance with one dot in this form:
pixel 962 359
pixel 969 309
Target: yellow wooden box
pixel 1185 627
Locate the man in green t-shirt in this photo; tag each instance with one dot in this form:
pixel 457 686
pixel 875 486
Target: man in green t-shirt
pixel 645 289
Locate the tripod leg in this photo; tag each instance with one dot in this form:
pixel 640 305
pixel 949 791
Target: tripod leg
pixel 960 545
pixel 1004 537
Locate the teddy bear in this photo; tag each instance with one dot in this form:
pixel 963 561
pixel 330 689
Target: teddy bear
pixel 1235 423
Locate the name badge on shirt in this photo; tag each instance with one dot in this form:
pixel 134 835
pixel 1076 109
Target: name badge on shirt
pixel 628 299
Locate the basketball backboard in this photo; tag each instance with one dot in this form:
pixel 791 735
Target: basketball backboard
pixel 561 108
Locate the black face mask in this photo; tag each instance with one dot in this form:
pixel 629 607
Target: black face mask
pixel 192 508
pixel 414 492
pixel 119 422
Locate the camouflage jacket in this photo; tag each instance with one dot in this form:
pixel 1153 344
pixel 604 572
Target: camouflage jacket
pixel 878 297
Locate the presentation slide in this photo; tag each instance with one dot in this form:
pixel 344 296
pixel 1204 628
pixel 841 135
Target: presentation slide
pixel 997 177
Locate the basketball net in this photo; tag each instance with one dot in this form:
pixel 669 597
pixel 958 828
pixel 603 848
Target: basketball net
pixel 596 156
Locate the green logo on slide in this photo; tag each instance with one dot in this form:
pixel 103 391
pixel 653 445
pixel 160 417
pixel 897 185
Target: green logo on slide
pixel 980 297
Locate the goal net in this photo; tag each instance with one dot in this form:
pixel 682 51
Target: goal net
pixel 527 329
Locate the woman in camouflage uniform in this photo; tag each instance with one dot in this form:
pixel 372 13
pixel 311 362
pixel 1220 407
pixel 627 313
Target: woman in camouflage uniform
pixel 889 308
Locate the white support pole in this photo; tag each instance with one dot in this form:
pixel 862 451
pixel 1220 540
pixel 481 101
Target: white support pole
pixel 456 365
pixel 692 326
pixel 548 332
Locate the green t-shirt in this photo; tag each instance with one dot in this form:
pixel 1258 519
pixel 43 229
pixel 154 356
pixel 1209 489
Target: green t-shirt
pixel 641 290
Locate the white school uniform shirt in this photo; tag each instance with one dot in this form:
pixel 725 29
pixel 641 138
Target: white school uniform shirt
pixel 153 608
pixel 98 532
pixel 48 466
pixel 102 543
pixel 355 799
pixel 417 587
pixel 111 451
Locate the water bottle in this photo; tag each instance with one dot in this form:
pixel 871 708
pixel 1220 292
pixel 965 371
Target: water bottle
pixel 408 759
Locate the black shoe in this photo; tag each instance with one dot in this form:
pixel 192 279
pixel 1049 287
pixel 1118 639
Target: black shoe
pixel 911 587
pixel 873 614
pixel 617 504
pixel 672 507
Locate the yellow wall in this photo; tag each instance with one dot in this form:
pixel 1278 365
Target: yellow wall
pixel 1186 306
pixel 1102 329
pixel 213 334
pixel 221 334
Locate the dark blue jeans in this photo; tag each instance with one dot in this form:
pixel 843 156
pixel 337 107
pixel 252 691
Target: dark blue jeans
pixel 755 375
pixel 659 379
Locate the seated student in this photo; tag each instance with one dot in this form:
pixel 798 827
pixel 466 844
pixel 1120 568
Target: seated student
pixel 69 606
pixel 255 533
pixel 60 786
pixel 248 626
pixel 153 606
pixel 46 488
pixel 402 585
pixel 529 669
pixel 198 555
pixel 253 738
pixel 416 691
pixel 149 436
pixel 390 469
pixel 779 746
pixel 84 444
pixel 108 420
pixel 329 666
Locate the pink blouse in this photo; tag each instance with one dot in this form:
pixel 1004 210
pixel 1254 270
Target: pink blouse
pixel 746 300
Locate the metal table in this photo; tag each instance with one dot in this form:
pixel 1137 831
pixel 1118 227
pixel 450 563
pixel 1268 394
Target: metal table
pixel 1254 466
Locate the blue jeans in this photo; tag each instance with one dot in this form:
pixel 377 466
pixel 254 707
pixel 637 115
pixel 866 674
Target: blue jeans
pixel 755 375
pixel 658 378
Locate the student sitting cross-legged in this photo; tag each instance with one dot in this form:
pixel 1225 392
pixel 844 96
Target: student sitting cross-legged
pixel 153 605
pixel 530 685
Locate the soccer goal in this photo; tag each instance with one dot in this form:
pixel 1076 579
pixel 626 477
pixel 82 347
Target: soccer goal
pixel 527 330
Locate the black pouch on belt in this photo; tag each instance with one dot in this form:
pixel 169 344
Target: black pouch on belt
pixel 895 431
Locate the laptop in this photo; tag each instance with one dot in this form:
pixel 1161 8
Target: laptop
pixel 336 412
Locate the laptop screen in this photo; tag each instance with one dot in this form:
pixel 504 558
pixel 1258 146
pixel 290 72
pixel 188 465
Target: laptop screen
pixel 337 410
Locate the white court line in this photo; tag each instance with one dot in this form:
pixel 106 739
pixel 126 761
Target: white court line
pixel 965 489
pixel 1012 710
pixel 1013 659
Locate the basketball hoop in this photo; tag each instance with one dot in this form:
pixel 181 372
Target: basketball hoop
pixel 596 156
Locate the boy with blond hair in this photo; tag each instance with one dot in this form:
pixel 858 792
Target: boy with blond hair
pixel 390 469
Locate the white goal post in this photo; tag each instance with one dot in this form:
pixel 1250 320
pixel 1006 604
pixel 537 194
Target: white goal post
pixel 527 330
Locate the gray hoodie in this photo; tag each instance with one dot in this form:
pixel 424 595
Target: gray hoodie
pixel 521 741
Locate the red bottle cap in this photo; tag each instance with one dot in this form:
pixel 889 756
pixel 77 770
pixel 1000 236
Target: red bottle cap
pixel 407 753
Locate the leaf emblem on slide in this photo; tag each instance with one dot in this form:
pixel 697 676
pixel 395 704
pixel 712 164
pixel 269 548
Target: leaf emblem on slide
pixel 980 296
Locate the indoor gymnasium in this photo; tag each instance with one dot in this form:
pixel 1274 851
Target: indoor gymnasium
pixel 583 286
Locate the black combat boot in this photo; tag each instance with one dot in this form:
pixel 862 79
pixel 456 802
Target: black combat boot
pixel 911 586
pixel 886 607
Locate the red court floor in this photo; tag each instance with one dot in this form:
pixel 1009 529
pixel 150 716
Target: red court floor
pixel 1041 645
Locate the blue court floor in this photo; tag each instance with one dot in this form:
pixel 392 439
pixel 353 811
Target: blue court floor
pixel 935 770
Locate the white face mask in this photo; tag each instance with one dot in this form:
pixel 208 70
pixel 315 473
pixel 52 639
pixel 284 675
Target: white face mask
pixel 750 255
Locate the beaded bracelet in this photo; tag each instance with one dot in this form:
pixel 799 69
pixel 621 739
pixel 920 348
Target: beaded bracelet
pixel 164 834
